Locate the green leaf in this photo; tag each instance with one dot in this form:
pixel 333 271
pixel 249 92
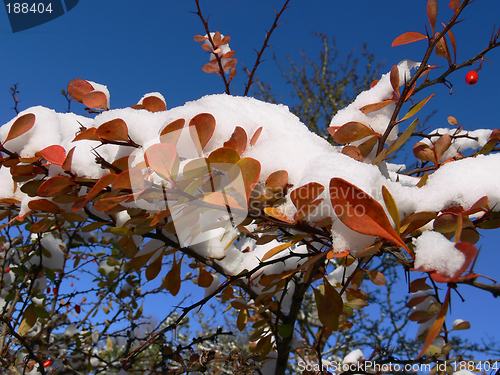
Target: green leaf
pixel 285 330
pixel 415 108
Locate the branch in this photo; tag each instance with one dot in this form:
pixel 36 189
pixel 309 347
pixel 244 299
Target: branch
pixel 264 46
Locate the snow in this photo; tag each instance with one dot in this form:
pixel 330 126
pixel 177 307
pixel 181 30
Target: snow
pixel 284 144
pixel 434 251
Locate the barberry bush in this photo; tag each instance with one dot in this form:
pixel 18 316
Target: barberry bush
pixel 295 233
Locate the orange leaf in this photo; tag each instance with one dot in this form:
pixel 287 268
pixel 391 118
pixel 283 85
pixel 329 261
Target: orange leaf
pixel 377 278
pixel 230 64
pixel 277 214
pixel 205 278
pixel 114 130
pixel 172 281
pixel 432 11
pixel 154 104
pixel 78 88
pixel 102 183
pixel 408 37
pixel 369 108
pixel 454 5
pixel 201 129
pixel 276 250
pixel 54 154
pixel 44 205
pixel 436 326
pixel 353 152
pixel 228 55
pixel 360 212
pixel 54 185
pixel 238 140
pixel 199 38
pixel 223 155
pixel 22 125
pixel 307 209
pixel 106 204
pixel 351 132
pixel 209 68
pixel 164 160
pixel 367 146
pixel 394 75
pixel 423 151
pixel 277 181
pixel 305 194
pixel 441 49
pixel 255 136
pixel 250 172
pixel 441 145
pixel 154 268
pixel 96 99
pixel 66 165
pixel 172 132
pixel 88 134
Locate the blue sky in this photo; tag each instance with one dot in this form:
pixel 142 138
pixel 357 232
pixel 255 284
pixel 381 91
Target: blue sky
pixel 136 47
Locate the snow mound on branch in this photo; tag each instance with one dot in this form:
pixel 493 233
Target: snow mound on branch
pixel 434 251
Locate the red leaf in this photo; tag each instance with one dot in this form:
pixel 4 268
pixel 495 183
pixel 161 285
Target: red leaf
pixel 154 104
pixel 164 160
pixel 54 185
pixel 88 134
pixel 408 37
pixel 351 132
pixel 209 68
pixel 305 194
pixel 114 130
pixel 353 152
pixel 432 10
pixel 54 154
pixel 102 183
pixel 199 38
pixel 96 99
pixel 454 5
pixel 250 172
pixel 201 128
pixel 277 181
pixel 172 132
pixel 375 106
pixel 436 326
pixel 230 64
pixel 360 212
pixel 255 136
pixel 395 79
pixel 44 205
pixel 66 165
pixel 78 88
pixel 22 125
pixel 238 140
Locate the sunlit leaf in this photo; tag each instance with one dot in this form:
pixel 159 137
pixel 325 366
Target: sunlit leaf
pixel 403 137
pixel 201 129
pixel 28 321
pixel 209 68
pixel 369 108
pixel 353 152
pixel 223 155
pixel 114 130
pixel 44 205
pixel 87 134
pixel 54 185
pixel 276 213
pixel 200 38
pixel 249 170
pixel 436 326
pixel 172 132
pixel 416 107
pixel 78 88
pixel 394 76
pixel 432 11
pixel 54 154
pixel 277 181
pixel 423 151
pixel 255 136
pixel 441 145
pixel 154 104
pixel 360 212
pixel 96 99
pixel 22 125
pixel 238 140
pixel 377 278
pixel 416 221
pixel 454 5
pixel 351 132
pixel 230 64
pixel 306 194
pixel 392 207
pixel 408 37
pixel 164 160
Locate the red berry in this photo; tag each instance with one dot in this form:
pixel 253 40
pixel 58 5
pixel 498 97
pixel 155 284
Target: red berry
pixel 48 289
pixel 72 284
pixel 54 290
pixel 78 309
pixel 471 77
pixel 7 270
pixel 47 363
